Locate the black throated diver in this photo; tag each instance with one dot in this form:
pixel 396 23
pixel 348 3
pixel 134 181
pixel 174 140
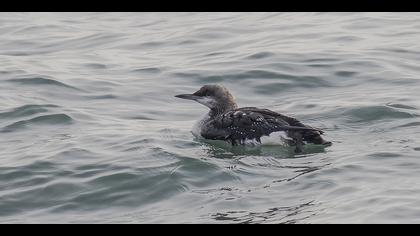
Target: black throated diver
pixel 227 122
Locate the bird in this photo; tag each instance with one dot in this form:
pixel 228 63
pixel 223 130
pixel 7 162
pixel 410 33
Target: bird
pixel 227 122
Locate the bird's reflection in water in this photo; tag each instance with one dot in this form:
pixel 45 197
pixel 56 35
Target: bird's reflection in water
pixel 250 160
pixel 221 149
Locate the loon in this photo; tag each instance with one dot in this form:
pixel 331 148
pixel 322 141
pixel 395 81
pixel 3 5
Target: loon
pixel 225 121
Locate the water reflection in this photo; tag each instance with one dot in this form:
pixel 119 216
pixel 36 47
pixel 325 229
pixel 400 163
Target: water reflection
pixel 275 215
pixel 220 149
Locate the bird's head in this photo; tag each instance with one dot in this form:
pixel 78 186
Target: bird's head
pixel 215 97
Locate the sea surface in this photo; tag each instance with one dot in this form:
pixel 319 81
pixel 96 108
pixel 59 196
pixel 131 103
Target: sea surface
pixel 90 130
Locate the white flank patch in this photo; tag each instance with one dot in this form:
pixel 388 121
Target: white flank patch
pixel 276 138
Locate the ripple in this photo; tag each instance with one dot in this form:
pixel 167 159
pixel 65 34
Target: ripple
pixel 96 66
pixel 217 54
pixel 127 189
pixel 141 117
pixel 151 70
pixel 85 42
pixel 189 41
pixel 376 113
pixel 402 106
pixel 21 54
pixel 400 50
pixel 54 119
pixel 26 110
pixel 152 44
pixel 100 97
pixel 411 124
pixel 345 73
pixel 384 155
pixel 347 38
pixel 314 60
pixel 275 88
pixel 260 55
pixel 292 80
pixel 320 65
pixel 282 215
pixel 74 154
pixel 40 81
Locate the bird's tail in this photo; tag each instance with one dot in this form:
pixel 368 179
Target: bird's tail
pixel 309 134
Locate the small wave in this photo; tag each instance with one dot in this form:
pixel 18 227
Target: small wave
pixel 346 38
pixel 400 51
pixel 290 79
pixel 402 106
pixel 54 119
pixel 384 155
pixel 375 113
pixel 284 215
pixel 320 65
pixel 189 42
pixel 22 172
pixel 274 88
pixel 152 44
pixel 34 29
pixel 105 96
pixel 26 110
pixel 40 81
pixel 8 72
pixel 96 66
pixel 94 40
pixel 23 53
pixel 215 35
pixel 216 54
pixel 141 117
pixel 411 124
pixel 260 55
pixel 345 73
pixel 148 70
pixel 316 60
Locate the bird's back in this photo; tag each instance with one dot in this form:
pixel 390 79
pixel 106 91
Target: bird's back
pixel 251 123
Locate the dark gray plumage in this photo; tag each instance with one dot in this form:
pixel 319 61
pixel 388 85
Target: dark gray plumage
pixel 227 122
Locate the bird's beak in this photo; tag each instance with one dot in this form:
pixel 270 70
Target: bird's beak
pixel 188 96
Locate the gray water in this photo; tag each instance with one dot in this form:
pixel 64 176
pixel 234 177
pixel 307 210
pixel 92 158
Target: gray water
pixel 90 131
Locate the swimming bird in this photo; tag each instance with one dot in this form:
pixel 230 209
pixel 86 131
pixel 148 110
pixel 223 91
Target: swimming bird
pixel 225 121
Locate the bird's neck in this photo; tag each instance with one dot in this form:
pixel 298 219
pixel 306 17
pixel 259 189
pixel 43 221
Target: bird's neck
pixel 218 110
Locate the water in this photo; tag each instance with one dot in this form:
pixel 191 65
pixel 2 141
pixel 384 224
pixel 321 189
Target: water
pixel 90 131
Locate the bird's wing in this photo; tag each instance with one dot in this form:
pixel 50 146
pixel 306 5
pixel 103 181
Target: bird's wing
pixel 290 120
pixel 312 136
pixel 246 123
